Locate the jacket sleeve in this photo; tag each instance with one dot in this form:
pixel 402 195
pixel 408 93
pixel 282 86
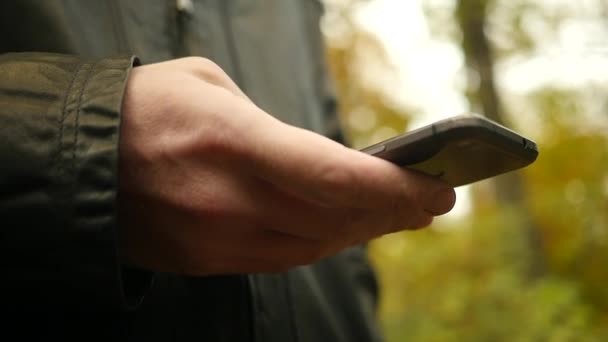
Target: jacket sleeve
pixel 59 125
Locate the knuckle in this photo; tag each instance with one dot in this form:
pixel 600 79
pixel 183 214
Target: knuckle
pixel 332 174
pixel 201 63
pixel 335 180
pixel 215 141
pixel 205 69
pixel 408 206
pixel 215 137
pixel 397 208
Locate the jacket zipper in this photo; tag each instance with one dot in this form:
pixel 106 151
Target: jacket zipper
pixel 230 43
pixel 119 28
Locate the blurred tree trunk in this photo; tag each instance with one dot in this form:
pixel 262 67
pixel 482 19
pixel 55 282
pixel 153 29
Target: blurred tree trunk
pixel 509 188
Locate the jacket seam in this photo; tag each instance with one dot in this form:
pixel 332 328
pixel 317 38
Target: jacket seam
pixel 77 120
pixel 120 32
pixel 233 53
pixel 62 118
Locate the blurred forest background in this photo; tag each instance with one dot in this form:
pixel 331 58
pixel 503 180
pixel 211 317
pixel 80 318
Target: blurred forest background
pixel 525 258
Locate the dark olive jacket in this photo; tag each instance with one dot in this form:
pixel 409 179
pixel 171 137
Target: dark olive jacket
pixel 63 69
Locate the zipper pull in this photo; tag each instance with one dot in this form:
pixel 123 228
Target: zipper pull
pixel 185 6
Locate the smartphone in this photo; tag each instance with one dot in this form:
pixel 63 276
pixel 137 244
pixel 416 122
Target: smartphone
pixel 459 150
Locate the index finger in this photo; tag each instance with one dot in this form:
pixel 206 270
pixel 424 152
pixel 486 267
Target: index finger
pixel 318 169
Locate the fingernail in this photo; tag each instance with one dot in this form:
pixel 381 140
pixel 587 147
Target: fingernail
pixel 441 202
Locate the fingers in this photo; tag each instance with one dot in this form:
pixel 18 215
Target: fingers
pixel 315 168
pixel 306 164
pixel 240 191
pixel 339 226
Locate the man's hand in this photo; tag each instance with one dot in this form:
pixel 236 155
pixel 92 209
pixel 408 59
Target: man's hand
pixel 211 184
